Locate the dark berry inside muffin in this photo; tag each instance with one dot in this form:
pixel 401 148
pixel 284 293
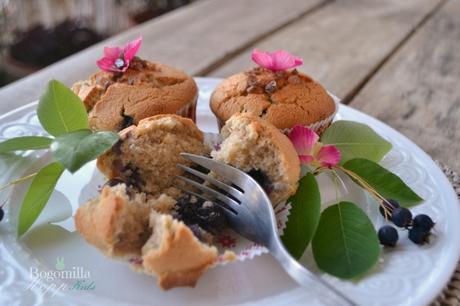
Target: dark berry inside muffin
pixel 205 214
pixel 262 179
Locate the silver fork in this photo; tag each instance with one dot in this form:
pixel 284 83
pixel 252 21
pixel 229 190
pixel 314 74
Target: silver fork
pixel 249 212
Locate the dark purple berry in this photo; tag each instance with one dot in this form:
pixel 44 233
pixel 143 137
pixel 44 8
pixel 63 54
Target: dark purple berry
pixel 127 121
pixel 388 235
pixel 262 179
pixel 418 235
pixel 2 213
pixel 424 222
pixel 113 182
pixel 401 217
pixel 390 205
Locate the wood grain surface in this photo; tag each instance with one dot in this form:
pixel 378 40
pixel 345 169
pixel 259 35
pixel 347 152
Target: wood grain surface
pixel 192 38
pixel 418 90
pixel 343 42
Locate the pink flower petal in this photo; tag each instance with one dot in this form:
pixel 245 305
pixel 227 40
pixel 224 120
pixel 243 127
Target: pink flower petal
pixel 131 48
pixel 306 159
pixel 263 59
pixel 328 156
pixel 284 60
pixel 112 53
pixel 277 60
pixel 303 139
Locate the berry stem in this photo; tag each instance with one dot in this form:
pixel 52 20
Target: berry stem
pixel 379 198
pixel 18 181
pixel 320 170
pixel 336 179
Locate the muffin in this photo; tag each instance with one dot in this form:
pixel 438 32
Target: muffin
pixel 283 98
pixel 132 228
pixel 146 155
pixel 257 147
pixel 116 100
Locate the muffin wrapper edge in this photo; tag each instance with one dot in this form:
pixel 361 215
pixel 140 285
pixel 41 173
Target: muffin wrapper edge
pixel 189 110
pixel 320 126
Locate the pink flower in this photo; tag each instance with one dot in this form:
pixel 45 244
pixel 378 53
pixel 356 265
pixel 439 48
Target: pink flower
pixel 117 59
pixel 277 60
pixel 310 150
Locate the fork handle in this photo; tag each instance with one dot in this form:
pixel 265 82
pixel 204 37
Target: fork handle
pixel 299 273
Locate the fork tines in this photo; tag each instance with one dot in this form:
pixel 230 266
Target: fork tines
pixel 211 189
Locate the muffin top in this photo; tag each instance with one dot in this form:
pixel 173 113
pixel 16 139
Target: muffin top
pixel 284 98
pixel 117 100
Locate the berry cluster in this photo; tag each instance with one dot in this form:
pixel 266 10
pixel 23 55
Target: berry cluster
pixel 419 227
pixel 196 212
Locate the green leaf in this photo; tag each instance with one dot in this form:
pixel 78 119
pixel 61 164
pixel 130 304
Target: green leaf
pixel 354 140
pixel 304 216
pixel 75 149
pixel 60 110
pixel 345 244
pixel 37 195
pixel 25 143
pixel 389 185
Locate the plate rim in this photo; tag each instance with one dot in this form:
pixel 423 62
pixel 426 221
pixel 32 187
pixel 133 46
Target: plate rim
pixel 441 179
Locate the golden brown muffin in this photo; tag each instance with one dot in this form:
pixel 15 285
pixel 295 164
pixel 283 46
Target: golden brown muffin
pixel 284 98
pixel 174 254
pixel 147 154
pixel 132 229
pixel 117 100
pixel 114 223
pixel 260 149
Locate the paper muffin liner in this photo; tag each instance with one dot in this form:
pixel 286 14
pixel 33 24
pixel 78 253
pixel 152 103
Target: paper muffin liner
pixel 234 247
pixel 189 110
pixel 318 127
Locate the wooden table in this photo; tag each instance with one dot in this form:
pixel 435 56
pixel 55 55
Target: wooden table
pixel 396 60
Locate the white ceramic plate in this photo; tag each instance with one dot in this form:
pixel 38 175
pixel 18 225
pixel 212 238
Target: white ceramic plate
pixel 406 275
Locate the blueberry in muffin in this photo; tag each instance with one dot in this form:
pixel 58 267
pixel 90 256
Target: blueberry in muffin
pixel 257 147
pixel 146 156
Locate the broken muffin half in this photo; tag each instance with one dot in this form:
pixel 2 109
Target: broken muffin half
pixel 141 231
pixel 257 147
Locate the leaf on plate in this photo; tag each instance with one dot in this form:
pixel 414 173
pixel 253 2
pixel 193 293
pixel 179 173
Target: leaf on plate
pixel 388 184
pixel 345 244
pixel 75 149
pixel 304 216
pixel 37 195
pixel 354 140
pixel 25 143
pixel 60 110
